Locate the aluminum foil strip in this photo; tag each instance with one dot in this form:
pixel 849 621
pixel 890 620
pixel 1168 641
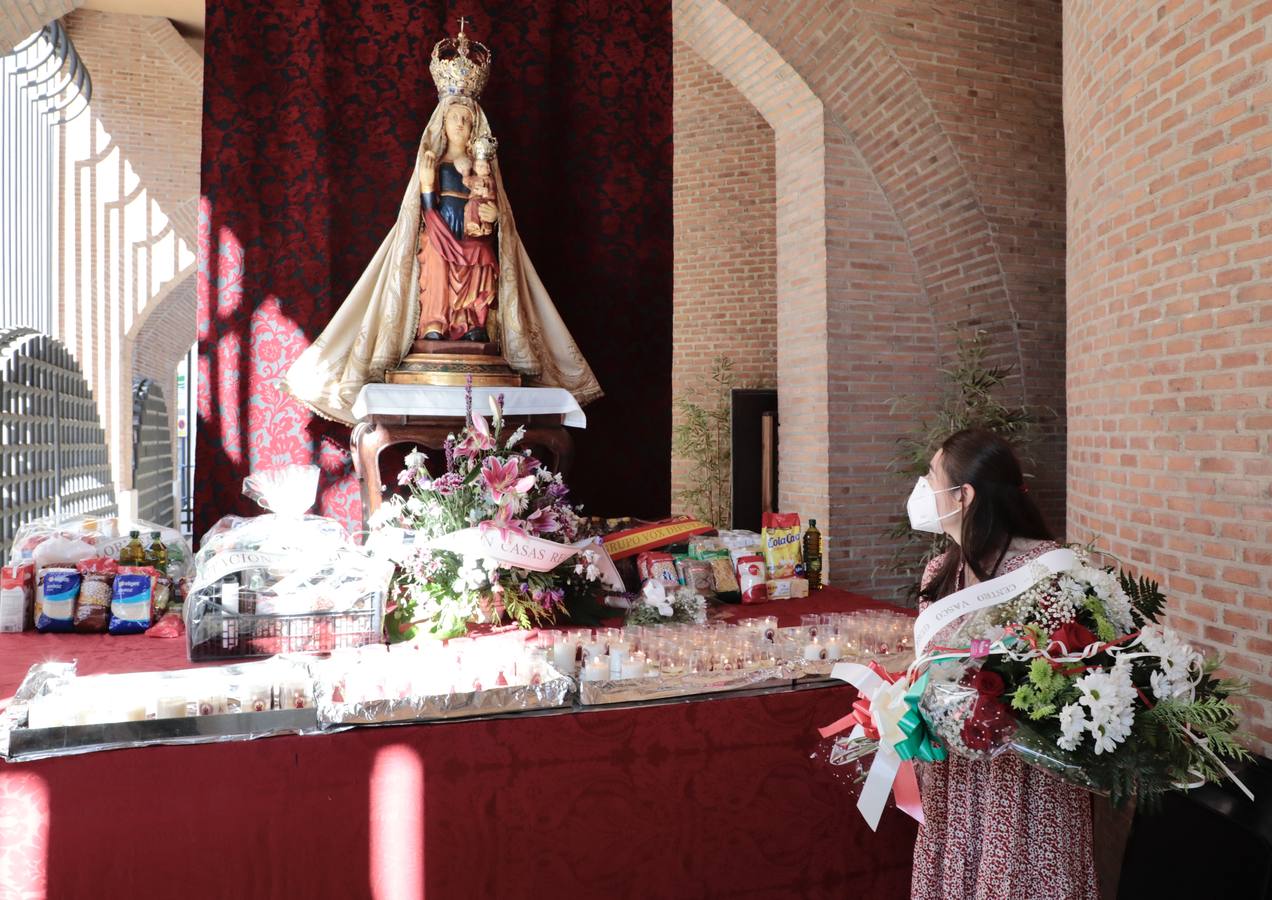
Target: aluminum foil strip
pixel 38 678
pixel 40 743
pixel 662 687
pixel 819 670
pixel 22 744
pixel 551 693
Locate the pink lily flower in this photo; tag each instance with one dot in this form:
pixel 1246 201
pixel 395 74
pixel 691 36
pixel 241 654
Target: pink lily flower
pixel 505 524
pixel 477 438
pixel 504 478
pixel 543 521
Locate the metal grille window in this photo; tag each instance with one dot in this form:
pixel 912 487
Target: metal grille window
pixel 53 458
pixel 153 477
pixel 43 84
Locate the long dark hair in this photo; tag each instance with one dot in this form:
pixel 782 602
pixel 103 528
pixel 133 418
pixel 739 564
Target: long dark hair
pixel 1001 508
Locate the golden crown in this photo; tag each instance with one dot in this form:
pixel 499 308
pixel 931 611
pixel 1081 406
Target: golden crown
pixel 460 67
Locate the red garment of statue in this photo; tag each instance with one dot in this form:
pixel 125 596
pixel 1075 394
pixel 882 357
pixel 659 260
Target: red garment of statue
pixel 458 280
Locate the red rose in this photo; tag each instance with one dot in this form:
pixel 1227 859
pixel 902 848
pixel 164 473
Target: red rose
pixel 989 725
pixel 988 683
pixel 1075 637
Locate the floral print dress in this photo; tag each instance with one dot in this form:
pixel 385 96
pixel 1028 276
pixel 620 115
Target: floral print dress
pixel 1000 828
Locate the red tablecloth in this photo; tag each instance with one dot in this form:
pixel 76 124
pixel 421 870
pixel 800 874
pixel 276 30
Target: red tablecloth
pixel 712 798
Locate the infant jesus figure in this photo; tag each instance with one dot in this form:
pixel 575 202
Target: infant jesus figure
pixel 481 187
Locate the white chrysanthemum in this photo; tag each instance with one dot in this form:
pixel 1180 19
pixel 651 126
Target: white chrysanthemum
pixel 1165 686
pixel 1179 664
pixel 1104 585
pixel 1110 698
pixel 1107 737
pixel 1073 724
pixel 593 573
pixel 415 506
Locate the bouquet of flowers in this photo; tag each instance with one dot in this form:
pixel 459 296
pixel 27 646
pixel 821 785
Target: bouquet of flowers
pixel 495 535
pixel 1073 674
pixel 660 604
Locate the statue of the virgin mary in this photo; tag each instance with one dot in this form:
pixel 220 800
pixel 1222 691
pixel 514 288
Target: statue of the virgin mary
pixel 445 272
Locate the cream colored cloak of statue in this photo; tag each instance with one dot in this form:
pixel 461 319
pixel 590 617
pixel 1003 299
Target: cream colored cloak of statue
pixel 373 328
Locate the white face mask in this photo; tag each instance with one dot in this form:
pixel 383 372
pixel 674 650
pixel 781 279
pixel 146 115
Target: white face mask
pixel 924 515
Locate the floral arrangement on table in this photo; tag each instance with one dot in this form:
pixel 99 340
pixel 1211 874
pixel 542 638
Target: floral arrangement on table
pixel 660 604
pixel 1074 674
pixel 491 488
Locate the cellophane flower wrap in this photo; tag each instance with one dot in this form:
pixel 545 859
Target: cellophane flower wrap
pixel 1077 676
pixel 490 482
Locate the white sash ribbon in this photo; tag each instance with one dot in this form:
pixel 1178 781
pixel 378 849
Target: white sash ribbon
pixel 508 547
pixel 986 594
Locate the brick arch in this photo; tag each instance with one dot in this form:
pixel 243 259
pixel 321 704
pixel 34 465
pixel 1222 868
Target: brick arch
pixel 160 145
pixel 855 328
pixel 797 118
pixel 957 123
pixel 856 74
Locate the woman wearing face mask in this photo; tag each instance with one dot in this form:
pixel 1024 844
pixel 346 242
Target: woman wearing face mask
pixel 996 828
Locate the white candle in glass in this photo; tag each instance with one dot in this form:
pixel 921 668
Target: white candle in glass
pixel 130 711
pixel 296 694
pixel 213 705
pixel 563 656
pixel 814 650
pixel 634 666
pixel 172 707
pixel 834 650
pixel 617 656
pixel 597 669
pixel 256 698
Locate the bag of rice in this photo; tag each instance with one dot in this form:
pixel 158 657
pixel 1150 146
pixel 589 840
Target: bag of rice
pixel 132 600
pixel 59 589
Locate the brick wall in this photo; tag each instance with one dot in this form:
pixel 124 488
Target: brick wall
pixel 1168 110
pixel 883 341
pixel 798 123
pixel 929 142
pixel 128 192
pixel 725 218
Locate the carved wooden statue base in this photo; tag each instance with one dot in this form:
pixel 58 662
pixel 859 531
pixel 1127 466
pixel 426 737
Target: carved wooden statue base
pixel 450 363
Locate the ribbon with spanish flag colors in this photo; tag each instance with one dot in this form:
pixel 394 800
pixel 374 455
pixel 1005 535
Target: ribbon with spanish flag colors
pixel 887 712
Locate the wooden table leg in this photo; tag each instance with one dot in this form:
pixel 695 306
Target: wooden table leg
pixel 367 441
pixel 557 441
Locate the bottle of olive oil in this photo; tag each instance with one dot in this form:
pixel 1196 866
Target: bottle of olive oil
pixel 157 554
pixel 813 555
pixel 133 554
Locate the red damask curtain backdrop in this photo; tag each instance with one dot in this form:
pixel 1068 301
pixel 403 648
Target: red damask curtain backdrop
pixel 312 114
